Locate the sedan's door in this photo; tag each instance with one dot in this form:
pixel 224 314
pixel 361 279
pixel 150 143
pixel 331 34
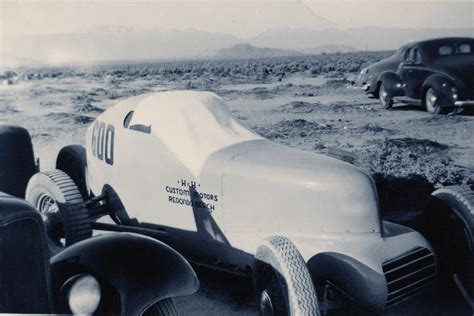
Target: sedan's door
pixel 413 73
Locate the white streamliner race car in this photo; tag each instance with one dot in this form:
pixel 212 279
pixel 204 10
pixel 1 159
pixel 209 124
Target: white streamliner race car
pixel 178 167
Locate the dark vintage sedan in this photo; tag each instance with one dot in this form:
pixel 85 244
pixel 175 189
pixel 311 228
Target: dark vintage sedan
pixel 437 74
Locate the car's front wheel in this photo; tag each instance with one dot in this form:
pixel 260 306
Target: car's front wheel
pixel 57 198
pixel 283 283
pixel 433 102
pixel 385 100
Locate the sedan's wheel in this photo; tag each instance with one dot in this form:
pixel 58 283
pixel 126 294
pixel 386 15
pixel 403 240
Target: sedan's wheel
pixel 384 98
pixel 433 104
pixel 450 228
pixel 61 205
pixel 282 281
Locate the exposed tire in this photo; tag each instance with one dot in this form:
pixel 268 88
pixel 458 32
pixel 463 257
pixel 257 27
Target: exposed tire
pixel 61 205
pixel 17 162
pixel 282 281
pixel 164 307
pixel 431 101
pixel 449 216
pixel 73 161
pixel 383 96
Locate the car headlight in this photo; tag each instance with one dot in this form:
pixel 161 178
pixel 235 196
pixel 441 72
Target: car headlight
pixel 454 91
pixel 84 295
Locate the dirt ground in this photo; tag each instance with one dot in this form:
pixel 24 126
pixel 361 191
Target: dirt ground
pixel 408 151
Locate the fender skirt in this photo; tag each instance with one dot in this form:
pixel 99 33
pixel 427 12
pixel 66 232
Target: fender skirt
pixel 140 269
pixel 360 283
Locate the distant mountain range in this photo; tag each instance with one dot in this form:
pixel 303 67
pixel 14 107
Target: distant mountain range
pixel 249 51
pixel 112 44
pixel 118 43
pixel 329 49
pixel 245 50
pixel 367 38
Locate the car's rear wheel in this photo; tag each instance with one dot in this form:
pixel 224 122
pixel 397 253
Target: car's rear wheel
pixel 57 198
pixel 433 104
pixel 449 216
pixel 282 281
pixel 73 161
pixel 385 100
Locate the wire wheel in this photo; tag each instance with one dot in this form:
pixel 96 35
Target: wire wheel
pixel 57 198
pixel 52 219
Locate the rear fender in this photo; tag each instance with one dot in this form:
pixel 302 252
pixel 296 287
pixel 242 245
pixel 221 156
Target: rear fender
pixel 392 83
pixel 443 86
pixel 136 271
pixel 360 283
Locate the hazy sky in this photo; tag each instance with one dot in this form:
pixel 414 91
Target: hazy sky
pixel 241 18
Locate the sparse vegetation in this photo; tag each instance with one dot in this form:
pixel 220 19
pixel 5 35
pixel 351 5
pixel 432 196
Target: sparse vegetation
pixel 243 70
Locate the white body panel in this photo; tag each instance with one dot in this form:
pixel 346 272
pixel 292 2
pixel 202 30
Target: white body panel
pixel 198 170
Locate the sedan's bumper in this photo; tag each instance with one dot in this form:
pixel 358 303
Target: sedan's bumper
pixel 464 103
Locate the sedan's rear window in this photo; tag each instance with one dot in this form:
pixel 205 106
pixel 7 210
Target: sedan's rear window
pixel 465 49
pixel 445 50
pixel 455 49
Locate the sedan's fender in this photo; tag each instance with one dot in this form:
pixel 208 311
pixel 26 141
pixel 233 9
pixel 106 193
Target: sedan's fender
pixel 445 88
pixel 392 83
pixel 139 271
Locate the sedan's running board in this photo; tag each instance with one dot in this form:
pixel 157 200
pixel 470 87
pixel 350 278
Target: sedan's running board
pixel 407 100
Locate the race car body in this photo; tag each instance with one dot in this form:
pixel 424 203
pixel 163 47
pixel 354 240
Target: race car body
pixel 180 164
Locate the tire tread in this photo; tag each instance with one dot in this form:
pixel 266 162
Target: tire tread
pixel 284 257
pixel 74 210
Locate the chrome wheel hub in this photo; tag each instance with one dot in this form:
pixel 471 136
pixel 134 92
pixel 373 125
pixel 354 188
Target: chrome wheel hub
pixel 430 100
pixel 52 219
pixel 266 306
pixel 383 96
